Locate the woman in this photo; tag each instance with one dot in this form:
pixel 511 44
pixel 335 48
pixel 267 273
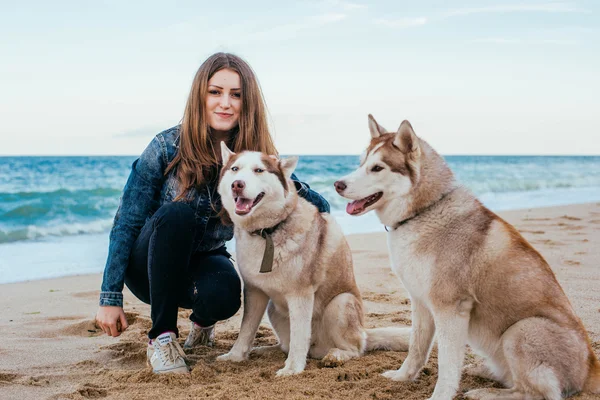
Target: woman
pixel 167 243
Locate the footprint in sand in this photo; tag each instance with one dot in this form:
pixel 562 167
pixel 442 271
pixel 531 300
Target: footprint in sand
pixel 127 354
pixel 10 378
pixel 65 318
pixel 568 217
pixel 568 227
pixel 7 378
pixel 547 242
pixel 532 232
pixel 89 391
pixel 536 219
pixel 87 295
pixel 572 262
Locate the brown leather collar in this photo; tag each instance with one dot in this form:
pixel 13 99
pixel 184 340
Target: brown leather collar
pixel 267 261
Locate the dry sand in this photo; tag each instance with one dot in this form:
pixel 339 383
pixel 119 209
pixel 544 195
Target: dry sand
pixel 50 348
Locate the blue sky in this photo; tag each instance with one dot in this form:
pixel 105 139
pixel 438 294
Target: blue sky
pixel 473 77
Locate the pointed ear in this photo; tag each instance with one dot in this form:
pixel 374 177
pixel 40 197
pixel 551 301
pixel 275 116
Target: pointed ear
pixel 375 129
pixel 288 165
pixel 225 153
pixel 406 139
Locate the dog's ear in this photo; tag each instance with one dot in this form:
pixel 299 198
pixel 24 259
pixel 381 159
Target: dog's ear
pixel 406 139
pixel 375 129
pixel 288 165
pixel 225 153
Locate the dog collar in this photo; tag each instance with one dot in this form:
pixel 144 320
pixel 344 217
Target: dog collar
pixel 267 262
pixel 404 221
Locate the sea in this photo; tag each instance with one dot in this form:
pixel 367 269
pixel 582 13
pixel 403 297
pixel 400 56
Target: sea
pixel 56 212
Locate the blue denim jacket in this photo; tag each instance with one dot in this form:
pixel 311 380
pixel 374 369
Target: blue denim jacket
pixel 145 191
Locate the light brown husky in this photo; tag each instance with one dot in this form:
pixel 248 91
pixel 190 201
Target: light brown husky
pixel 308 289
pixel 472 278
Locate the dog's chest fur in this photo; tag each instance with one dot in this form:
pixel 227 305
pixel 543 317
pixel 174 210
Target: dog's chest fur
pixel 415 269
pixel 288 263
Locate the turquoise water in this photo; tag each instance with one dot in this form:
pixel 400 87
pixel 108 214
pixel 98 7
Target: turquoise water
pixel 55 212
pixel 65 196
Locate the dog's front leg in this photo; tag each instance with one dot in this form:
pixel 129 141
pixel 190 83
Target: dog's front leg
pixel 452 327
pixel 301 309
pixel 423 329
pixel 255 304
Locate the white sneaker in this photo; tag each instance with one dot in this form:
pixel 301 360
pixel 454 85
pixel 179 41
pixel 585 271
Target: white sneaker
pixel 166 355
pixel 200 336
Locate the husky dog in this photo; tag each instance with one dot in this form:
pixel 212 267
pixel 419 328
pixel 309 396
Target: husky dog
pixel 472 278
pixel 308 288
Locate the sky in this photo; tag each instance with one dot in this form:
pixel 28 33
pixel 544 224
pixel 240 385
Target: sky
pixel 472 77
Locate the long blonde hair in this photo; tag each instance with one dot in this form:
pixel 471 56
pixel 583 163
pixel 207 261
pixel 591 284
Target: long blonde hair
pixel 196 161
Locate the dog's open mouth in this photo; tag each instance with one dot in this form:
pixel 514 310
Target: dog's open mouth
pixel 243 205
pixel 358 206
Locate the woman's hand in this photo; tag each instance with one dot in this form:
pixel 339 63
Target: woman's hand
pixel 112 320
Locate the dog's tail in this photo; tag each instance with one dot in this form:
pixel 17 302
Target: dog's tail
pixel 592 385
pixel 388 339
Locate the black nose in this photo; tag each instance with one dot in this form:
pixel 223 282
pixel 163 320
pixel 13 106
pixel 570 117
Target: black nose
pixel 238 186
pixel 340 186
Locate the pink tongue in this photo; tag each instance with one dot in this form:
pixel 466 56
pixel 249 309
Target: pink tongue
pixel 243 205
pixel 356 206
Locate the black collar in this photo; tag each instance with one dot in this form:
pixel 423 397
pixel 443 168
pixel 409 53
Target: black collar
pixel 421 211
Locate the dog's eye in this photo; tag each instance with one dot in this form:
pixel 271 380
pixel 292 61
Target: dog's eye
pixel 376 168
pixel 235 168
pixel 259 170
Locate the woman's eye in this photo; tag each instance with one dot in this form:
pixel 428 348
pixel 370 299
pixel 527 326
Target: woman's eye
pixel 376 168
pixel 236 95
pixel 215 92
pixel 234 169
pixel 259 170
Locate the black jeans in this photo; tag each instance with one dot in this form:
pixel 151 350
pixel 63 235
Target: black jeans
pixel 166 273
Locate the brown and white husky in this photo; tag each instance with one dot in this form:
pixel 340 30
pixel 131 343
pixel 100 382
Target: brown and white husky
pixel 308 289
pixel 472 278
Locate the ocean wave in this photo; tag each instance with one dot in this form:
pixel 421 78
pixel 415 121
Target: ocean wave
pixel 35 232
pixel 59 193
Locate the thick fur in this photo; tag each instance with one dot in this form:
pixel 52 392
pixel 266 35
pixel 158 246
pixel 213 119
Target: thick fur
pixel 472 278
pixel 310 295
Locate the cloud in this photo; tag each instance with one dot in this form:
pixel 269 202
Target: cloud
pixel 553 7
pixel 327 18
pixel 501 40
pixel 292 30
pixel 345 5
pixel 549 7
pixel 402 22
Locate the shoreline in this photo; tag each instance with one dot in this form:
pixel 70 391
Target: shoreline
pixel 94 246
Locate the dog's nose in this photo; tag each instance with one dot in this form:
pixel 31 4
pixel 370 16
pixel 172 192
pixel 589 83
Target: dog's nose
pixel 340 186
pixel 238 186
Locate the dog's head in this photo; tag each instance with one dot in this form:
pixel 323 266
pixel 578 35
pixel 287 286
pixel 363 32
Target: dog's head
pixel 254 185
pixel 389 168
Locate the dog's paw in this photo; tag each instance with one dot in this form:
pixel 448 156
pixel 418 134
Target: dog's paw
pixel 235 357
pixel 396 375
pixel 335 358
pixel 288 371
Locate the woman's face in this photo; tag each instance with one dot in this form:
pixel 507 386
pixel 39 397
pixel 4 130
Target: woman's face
pixel 224 101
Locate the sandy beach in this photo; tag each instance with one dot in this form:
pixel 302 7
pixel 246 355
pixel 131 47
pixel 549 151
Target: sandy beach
pixel 51 349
